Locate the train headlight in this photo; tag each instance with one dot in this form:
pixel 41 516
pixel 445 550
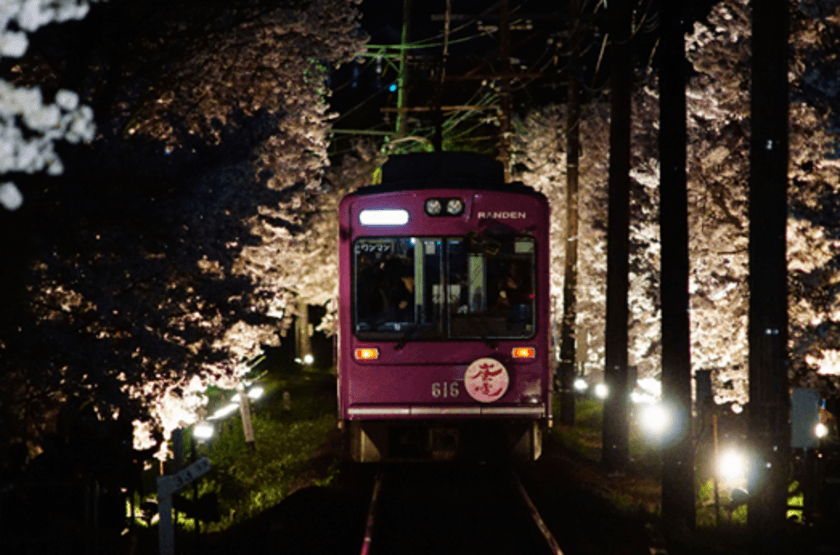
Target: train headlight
pixel 454 206
pixel 396 216
pixel 433 207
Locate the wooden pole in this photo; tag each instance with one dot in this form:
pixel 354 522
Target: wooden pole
pixel 568 331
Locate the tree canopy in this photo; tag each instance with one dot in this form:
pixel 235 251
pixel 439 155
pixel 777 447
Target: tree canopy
pixel 164 257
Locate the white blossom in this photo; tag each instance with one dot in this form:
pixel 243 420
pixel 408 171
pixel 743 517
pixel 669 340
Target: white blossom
pixel 45 123
pixel 10 196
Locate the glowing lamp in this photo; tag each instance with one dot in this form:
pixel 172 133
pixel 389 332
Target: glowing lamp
pixel 732 466
pixel 454 206
pixel 601 391
pixel 655 419
pixel 367 353
pixel 524 352
pixel 390 216
pixel 203 430
pixel 433 207
pixel 581 385
pixel 820 430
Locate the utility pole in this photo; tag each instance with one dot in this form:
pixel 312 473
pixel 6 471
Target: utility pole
pixel 438 140
pixel 402 80
pixel 678 504
pixel 504 87
pixel 568 330
pixel 616 430
pixel 769 406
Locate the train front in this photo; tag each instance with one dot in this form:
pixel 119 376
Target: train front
pixel 443 319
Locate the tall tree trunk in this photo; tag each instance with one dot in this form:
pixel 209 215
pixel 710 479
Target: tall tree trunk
pixel 769 400
pixel 616 451
pixel 568 330
pixel 678 504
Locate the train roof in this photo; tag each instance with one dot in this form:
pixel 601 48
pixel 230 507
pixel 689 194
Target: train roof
pixel 440 170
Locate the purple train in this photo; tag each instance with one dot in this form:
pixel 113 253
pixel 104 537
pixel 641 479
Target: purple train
pixel 443 343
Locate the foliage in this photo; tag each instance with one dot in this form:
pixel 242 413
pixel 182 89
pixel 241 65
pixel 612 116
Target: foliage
pixel 29 126
pixel 159 262
pixel 718 105
pixel 247 483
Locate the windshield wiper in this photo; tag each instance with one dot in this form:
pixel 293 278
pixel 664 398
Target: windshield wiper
pixel 406 336
pixel 482 331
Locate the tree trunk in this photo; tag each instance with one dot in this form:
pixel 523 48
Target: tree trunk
pixel 769 399
pixel 616 452
pixel 678 500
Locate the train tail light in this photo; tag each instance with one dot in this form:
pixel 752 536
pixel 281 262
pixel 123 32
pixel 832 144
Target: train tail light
pixel 367 353
pixel 524 352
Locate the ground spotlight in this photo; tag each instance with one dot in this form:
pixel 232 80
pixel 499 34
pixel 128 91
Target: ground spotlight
pixel 655 419
pixel 601 391
pixel 203 431
pixel 732 466
pixel 821 430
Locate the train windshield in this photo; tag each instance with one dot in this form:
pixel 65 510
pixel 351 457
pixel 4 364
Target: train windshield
pixel 472 287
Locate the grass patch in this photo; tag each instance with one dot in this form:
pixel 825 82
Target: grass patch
pixel 288 448
pixel 585 436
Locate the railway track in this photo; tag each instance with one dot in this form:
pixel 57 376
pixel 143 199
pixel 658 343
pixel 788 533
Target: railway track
pixel 460 509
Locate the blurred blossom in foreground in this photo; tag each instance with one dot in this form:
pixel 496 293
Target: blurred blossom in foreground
pixel 28 127
pixel 10 196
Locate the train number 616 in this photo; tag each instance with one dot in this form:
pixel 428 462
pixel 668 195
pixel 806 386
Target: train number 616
pixel 445 389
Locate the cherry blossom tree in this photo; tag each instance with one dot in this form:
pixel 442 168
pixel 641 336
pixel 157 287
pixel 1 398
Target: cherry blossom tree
pixel 718 176
pixel 28 126
pixel 160 263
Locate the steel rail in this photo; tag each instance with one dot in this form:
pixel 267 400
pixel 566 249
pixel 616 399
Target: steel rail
pixel 535 514
pixel 371 514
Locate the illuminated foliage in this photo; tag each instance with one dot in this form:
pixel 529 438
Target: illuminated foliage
pixel 718 186
pixel 165 256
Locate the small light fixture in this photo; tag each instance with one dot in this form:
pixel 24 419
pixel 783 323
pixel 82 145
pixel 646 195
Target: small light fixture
pixel 454 206
pixel 524 352
pixel 601 391
pixel 433 207
pixel 581 385
pixel 367 353
pixel 203 431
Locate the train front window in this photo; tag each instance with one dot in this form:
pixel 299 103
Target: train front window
pixel 399 285
pixel 490 288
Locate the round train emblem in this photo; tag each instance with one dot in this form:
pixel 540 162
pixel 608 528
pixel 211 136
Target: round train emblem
pixel 486 380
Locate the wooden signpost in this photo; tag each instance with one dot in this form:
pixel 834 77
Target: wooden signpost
pixel 168 485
